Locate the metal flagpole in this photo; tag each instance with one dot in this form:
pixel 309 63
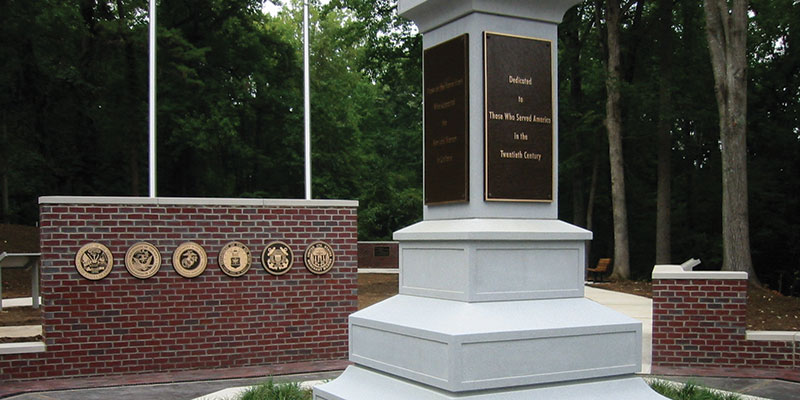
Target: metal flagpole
pixel 307 101
pixel 152 98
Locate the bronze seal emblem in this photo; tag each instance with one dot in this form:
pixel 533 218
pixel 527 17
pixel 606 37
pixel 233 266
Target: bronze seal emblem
pixel 234 259
pixel 319 258
pixel 142 260
pixel 277 258
pixel 94 261
pixel 189 260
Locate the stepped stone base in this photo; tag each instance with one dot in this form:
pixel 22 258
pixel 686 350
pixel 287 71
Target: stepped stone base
pixel 358 383
pixel 459 346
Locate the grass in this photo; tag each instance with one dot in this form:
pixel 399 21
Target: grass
pixel 270 391
pixel 292 391
pixel 689 391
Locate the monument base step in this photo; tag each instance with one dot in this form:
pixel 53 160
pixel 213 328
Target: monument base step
pixel 358 383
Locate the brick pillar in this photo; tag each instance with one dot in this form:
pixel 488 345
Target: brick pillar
pixel 699 320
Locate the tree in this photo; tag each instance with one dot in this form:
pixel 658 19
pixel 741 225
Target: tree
pixel 726 31
pixel 613 124
pixel 664 140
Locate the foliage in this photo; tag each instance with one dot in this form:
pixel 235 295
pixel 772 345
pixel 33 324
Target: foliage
pixel 689 391
pixel 270 391
pixel 773 136
pixel 73 115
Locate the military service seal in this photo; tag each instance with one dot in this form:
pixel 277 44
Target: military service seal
pixel 189 260
pixel 277 258
pixel 94 261
pixel 234 259
pixel 319 258
pixel 143 260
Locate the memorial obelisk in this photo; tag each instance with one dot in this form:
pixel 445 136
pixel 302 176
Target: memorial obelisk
pixel 491 299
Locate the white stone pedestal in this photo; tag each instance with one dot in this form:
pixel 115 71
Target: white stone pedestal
pixel 491 299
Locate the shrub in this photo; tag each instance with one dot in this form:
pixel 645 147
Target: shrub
pixel 270 391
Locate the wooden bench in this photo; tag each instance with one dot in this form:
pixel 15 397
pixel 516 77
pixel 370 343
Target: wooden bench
pixel 600 269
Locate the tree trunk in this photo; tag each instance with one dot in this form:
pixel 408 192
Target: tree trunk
pixel 572 35
pixel 4 167
pixel 726 30
pixel 614 127
pixel 590 203
pixel 132 135
pixel 664 141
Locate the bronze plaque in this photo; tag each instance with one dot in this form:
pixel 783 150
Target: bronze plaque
pixel 277 258
pixel 319 258
pixel 189 260
pixel 519 118
pixel 234 259
pixel 143 260
pixel 94 261
pixel 446 100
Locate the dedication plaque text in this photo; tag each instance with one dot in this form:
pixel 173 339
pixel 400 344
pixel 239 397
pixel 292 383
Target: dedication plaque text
pixel 446 122
pixel 519 118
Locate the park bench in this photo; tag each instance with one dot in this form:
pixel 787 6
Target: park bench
pixel 600 269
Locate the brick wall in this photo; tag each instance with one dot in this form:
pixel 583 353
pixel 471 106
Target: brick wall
pixel 378 255
pixel 701 323
pixel 122 324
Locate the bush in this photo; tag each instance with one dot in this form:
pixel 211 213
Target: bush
pixel 689 391
pixel 271 391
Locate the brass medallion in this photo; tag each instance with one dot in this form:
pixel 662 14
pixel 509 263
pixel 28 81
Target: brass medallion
pixel 143 260
pixel 277 258
pixel 189 260
pixel 319 258
pixel 234 259
pixel 94 261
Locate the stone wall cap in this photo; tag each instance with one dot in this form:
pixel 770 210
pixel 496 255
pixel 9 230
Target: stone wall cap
pixel 195 201
pixel 773 336
pixel 493 229
pixel 678 272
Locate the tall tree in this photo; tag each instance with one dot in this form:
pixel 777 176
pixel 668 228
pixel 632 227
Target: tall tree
pixel 664 140
pixel 613 122
pixel 726 31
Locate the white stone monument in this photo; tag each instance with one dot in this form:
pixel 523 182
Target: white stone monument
pixel 491 299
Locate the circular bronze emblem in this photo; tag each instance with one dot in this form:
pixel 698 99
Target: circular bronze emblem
pixel 277 258
pixel 94 261
pixel 319 258
pixel 189 260
pixel 143 260
pixel 234 259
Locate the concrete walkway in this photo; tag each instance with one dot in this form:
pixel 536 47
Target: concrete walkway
pixel 637 307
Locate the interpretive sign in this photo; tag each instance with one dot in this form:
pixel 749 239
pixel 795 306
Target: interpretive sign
pixel 518 81
pixel 446 122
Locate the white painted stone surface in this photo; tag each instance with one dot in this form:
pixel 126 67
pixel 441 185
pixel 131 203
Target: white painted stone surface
pixel 678 272
pixel 460 346
pixel 358 383
pixel 195 201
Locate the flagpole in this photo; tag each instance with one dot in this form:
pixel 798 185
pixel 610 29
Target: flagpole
pixel 307 102
pixel 152 99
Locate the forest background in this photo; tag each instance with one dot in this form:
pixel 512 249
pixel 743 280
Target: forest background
pixel 73 115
